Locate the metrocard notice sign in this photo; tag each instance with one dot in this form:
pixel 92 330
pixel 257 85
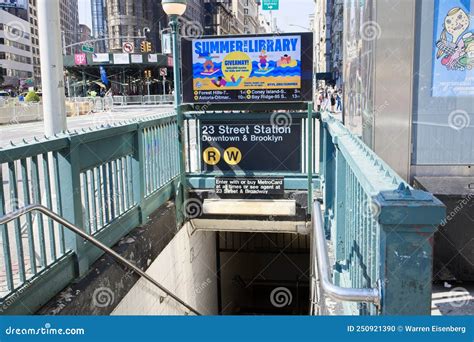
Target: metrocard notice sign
pixel 259 68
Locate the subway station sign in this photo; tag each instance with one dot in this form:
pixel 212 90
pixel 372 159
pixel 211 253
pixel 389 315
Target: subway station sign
pixel 255 145
pixel 251 68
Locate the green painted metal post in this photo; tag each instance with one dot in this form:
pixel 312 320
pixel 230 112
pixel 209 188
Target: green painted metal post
pixel 181 188
pixel 408 220
pixel 310 156
pixel 70 199
pixel 138 171
pixel 339 233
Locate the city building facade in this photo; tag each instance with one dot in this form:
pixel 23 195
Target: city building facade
pixel 327 24
pixel 193 18
pixel 337 45
pixel 218 17
pixel 85 33
pixel 127 20
pixel 238 12
pixel 16 57
pixel 265 26
pixel 99 24
pixel 251 16
pixel 322 35
pixel 69 19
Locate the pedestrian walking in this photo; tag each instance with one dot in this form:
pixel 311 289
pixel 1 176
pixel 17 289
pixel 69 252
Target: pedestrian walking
pixel 339 102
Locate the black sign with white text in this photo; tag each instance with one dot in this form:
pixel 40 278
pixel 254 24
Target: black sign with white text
pixel 249 187
pixel 254 145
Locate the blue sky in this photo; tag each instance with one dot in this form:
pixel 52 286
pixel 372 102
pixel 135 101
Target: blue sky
pixel 291 12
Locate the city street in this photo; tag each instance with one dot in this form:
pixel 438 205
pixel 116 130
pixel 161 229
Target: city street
pixel 17 132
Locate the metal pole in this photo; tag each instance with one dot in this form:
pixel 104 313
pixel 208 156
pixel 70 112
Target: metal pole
pixel 52 78
pixel 181 191
pixel 164 85
pixel 84 92
pixel 63 38
pixel 310 157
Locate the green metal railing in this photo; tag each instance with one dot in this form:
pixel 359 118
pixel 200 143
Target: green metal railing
pixel 107 181
pixel 380 229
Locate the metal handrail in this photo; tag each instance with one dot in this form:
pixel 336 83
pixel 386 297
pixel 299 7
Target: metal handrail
pixel 46 211
pixel 320 258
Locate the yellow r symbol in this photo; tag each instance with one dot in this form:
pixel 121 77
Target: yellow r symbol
pixel 211 156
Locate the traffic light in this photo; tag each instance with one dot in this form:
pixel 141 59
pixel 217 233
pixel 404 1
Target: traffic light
pixel 145 46
pixel 147 74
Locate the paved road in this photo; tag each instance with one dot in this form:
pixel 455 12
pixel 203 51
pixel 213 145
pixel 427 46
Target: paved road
pixel 28 131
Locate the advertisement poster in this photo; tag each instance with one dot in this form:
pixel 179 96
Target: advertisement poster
pixel 250 146
pixel 100 58
pixel 248 68
pixel 121 58
pixel 453 62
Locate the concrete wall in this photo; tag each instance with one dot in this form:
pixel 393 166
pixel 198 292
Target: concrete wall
pixel 187 267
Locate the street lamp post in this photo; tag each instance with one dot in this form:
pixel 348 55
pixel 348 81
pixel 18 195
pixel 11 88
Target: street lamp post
pixel 52 75
pixel 174 9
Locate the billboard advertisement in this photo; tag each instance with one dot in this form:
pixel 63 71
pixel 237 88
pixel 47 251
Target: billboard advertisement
pixel 258 68
pixel 453 49
pixel 14 4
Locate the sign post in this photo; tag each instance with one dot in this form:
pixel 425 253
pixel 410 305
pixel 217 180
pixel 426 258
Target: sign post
pixel 164 73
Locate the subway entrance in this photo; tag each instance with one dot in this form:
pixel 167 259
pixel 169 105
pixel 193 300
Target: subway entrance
pixel 263 273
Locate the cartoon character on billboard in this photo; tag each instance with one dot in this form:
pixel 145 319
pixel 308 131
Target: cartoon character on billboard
pixel 286 62
pixel 222 82
pixel 209 68
pixel 455 44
